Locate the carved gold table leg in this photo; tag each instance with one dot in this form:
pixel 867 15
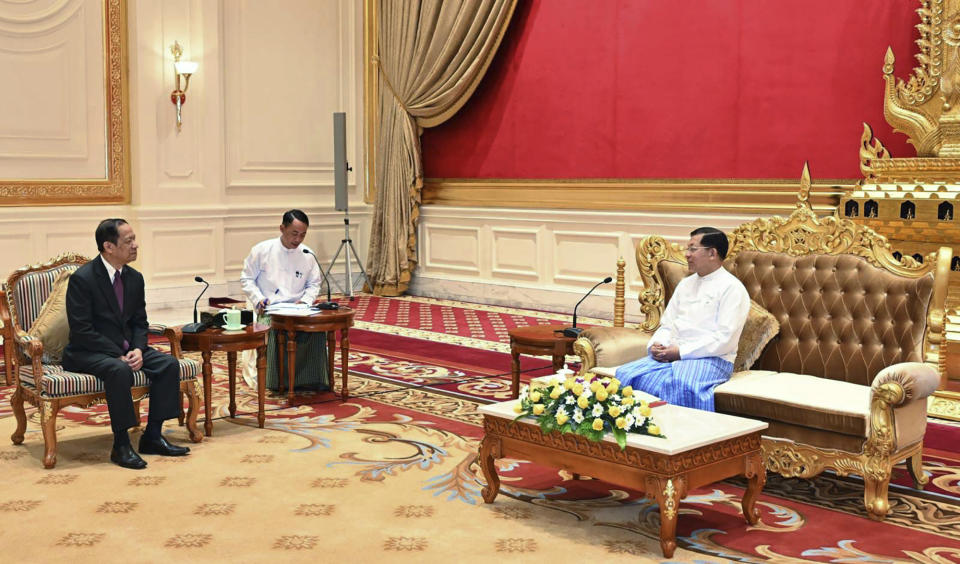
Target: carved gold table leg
pixel 756 474
pixel 668 492
pixel 490 448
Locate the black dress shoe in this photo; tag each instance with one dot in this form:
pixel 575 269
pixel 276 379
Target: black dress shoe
pixel 161 446
pixel 125 456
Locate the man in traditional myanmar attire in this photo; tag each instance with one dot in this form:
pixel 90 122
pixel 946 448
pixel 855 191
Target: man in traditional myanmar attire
pixel 279 271
pixel 693 350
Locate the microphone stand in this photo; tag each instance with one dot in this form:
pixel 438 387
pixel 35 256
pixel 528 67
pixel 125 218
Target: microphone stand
pixel 196 327
pixel 575 331
pixel 329 304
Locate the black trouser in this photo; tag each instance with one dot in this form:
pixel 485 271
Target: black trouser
pixel 162 370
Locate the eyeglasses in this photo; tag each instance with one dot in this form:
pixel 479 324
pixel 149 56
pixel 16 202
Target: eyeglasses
pixel 694 249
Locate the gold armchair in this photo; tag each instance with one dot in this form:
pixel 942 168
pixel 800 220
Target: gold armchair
pixel 845 384
pixel 43 382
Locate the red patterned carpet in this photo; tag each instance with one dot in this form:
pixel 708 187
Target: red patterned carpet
pixel 414 390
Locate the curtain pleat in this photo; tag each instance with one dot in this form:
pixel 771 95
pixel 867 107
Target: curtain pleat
pixel 431 55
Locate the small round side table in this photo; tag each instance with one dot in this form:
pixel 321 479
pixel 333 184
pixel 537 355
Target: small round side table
pixel 538 340
pixel 253 336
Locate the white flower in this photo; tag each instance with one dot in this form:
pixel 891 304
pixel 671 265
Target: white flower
pixel 563 412
pixel 587 393
pixel 523 393
pixel 615 398
pixel 629 420
pixel 577 416
pixel 569 399
pixel 597 410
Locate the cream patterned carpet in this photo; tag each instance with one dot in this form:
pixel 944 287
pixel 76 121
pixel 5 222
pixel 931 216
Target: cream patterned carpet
pixel 387 478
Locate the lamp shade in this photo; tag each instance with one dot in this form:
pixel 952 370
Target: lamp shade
pixel 185 67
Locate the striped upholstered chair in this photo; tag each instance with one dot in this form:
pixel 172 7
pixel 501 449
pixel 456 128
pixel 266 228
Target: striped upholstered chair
pixel 46 384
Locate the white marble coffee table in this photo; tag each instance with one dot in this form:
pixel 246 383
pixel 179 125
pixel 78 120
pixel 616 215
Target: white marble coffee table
pixel 701 448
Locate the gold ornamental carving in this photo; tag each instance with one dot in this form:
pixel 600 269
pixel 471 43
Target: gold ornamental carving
pixel 669 501
pixel 114 185
pixel 914 201
pixel 803 233
pixel 664 464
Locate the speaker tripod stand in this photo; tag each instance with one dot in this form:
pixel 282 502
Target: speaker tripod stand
pixel 346 247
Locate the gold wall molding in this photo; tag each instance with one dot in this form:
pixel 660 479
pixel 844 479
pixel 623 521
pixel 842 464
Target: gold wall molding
pixel 371 96
pixel 115 187
pixel 680 195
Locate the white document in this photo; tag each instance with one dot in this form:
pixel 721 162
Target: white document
pixel 292 309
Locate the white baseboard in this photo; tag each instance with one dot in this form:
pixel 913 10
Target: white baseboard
pixel 558 300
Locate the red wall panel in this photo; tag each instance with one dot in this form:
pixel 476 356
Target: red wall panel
pixel 697 89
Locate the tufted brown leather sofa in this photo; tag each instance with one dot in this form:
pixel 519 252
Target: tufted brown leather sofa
pixel 844 384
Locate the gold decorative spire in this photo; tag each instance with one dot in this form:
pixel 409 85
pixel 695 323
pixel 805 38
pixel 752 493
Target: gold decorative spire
pixel 927 106
pixel 803 197
pixel 870 152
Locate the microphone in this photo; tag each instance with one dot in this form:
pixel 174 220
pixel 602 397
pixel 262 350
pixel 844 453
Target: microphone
pixel 575 331
pixel 196 327
pixel 328 304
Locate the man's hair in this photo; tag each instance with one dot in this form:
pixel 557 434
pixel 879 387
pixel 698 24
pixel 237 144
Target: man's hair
pixel 298 215
pixel 108 230
pixel 714 239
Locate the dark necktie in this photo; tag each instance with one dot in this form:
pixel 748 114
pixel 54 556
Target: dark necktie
pixel 118 291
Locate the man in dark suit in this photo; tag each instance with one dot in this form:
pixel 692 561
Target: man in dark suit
pixel 107 313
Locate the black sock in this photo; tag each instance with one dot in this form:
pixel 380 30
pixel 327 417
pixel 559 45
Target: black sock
pixel 121 438
pixel 153 430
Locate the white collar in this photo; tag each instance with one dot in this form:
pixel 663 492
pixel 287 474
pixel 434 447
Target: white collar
pixel 110 269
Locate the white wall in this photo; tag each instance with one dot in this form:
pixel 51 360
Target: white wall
pixel 542 259
pixel 256 137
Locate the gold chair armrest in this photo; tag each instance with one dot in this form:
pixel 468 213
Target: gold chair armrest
pixel 917 380
pixel 610 346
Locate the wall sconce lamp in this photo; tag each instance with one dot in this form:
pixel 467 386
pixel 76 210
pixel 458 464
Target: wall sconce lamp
pixel 184 69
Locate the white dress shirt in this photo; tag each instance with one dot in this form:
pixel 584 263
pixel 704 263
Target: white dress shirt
pixel 278 274
pixel 705 316
pixel 110 269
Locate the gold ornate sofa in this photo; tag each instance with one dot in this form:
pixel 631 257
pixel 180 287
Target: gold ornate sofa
pixel 844 385
pixel 43 382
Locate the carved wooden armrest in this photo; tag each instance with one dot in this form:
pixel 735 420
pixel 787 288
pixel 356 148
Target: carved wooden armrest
pixel 171 334
pixel 610 346
pixel 31 348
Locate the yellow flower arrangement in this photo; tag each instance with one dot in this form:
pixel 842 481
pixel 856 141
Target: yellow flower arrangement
pixel 590 406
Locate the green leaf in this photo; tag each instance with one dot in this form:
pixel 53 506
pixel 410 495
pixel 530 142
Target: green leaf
pixel 621 437
pixel 547 424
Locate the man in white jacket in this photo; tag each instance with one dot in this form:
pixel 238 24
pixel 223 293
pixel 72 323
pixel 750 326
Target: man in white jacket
pixel 278 271
pixel 693 350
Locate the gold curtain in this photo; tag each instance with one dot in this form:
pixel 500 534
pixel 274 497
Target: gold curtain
pixel 431 55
